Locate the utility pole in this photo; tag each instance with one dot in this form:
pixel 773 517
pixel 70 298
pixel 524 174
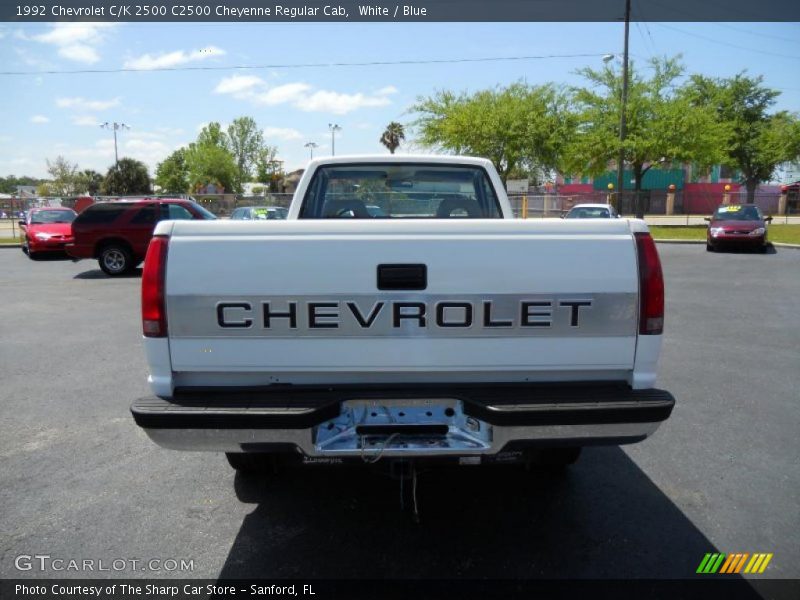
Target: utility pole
pixel 334 128
pixel 115 127
pixel 311 146
pixel 623 105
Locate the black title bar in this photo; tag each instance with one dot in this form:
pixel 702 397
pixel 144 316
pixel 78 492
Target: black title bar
pixel 141 11
pixel 709 588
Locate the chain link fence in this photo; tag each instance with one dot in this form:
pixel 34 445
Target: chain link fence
pixel 13 210
pixel 654 203
pixel 223 205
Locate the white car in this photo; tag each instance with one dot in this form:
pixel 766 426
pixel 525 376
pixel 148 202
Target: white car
pixel 256 213
pixel 438 329
pixel 592 211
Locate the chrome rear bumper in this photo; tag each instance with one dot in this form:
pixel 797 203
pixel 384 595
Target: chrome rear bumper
pixel 408 424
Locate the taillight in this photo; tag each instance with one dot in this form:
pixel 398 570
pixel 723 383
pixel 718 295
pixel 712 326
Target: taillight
pixel 154 310
pixel 651 286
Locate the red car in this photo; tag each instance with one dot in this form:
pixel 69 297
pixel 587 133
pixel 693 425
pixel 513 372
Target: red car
pixel 117 233
pixel 46 230
pixel 737 225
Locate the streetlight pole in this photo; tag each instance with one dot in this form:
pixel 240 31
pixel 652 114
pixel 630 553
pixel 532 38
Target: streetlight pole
pixel 115 127
pixel 311 146
pixel 334 128
pixel 624 103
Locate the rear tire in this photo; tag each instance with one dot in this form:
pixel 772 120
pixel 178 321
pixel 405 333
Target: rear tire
pixel 251 463
pixel 115 260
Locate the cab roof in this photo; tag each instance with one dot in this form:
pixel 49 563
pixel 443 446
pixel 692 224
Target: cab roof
pixel 442 159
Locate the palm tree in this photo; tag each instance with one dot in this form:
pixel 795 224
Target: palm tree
pixel 90 180
pixel 392 136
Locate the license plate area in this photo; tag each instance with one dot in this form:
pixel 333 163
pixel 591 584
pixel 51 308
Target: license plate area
pixel 402 429
pixel 397 427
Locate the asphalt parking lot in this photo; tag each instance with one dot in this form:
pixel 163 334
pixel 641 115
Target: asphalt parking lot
pixel 80 481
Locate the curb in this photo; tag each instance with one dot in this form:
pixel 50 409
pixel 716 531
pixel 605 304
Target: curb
pixel 9 245
pixel 658 241
pixel 776 244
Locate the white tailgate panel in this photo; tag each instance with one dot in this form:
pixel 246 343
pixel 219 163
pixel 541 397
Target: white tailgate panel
pixel 506 262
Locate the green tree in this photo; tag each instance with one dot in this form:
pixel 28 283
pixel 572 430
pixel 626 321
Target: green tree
pixel 267 169
pixel 210 163
pixel 212 135
pixel 245 141
pixel 662 125
pixel 172 174
pixel 392 136
pixel 65 177
pixel 757 141
pixel 242 145
pixel 8 185
pixel 208 160
pixel 518 127
pixel 89 181
pixel 128 177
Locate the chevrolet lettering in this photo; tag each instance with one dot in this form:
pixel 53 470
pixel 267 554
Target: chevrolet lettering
pixel 401 315
pixel 377 317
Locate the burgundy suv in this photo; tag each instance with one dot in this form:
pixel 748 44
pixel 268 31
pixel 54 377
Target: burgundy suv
pixel 117 233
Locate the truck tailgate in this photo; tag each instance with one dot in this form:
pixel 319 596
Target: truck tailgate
pixel 301 301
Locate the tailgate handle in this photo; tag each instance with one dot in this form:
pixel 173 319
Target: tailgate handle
pixel 402 277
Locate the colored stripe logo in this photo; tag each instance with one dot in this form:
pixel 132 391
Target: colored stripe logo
pixel 734 563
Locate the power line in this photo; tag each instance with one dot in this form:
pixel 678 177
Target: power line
pixel 641 36
pixel 311 65
pixel 766 35
pixel 649 35
pixel 712 40
pixel 637 15
pixel 723 9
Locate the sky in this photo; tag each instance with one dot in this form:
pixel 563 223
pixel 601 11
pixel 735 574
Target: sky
pixel 47 115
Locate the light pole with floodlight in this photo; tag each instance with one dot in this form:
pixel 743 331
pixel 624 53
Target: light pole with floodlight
pixel 115 127
pixel 311 146
pixel 334 128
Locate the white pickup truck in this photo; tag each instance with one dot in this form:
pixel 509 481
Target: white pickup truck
pixel 401 312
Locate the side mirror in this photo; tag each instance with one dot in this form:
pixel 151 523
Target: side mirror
pixel 21 223
pixel 768 219
pixel 707 219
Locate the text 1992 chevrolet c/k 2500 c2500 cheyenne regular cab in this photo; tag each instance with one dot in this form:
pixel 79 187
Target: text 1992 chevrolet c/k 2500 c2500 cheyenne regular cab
pixel 433 327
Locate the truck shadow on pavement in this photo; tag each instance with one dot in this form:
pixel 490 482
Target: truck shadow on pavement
pixel 604 518
pixel 99 274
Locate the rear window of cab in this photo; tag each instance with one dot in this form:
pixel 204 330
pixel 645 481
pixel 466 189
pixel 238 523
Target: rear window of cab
pixel 400 190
